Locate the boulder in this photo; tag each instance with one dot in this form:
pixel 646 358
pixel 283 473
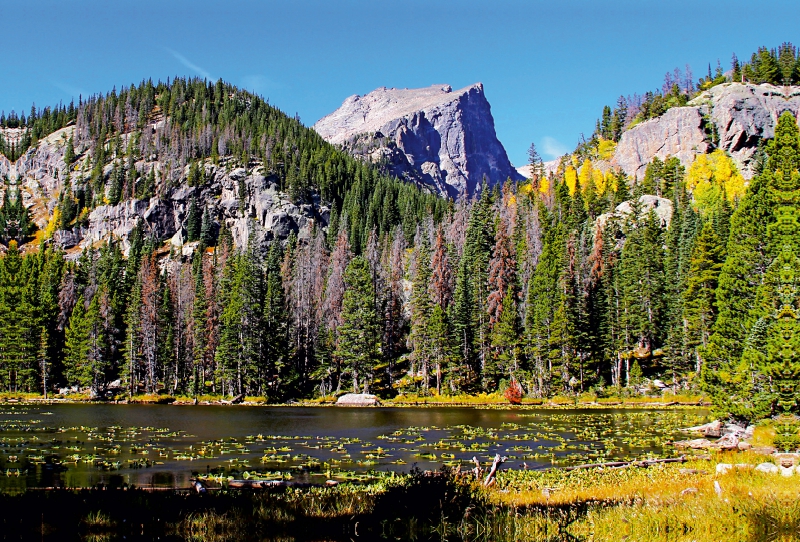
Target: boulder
pixel 787 460
pixel 727 442
pixel 711 429
pixel 662 207
pixel 357 399
pixel 436 137
pixel 733 429
pixel 724 468
pixel 694 444
pixel 768 468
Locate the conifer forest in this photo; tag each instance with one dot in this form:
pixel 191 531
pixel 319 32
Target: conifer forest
pixel 544 283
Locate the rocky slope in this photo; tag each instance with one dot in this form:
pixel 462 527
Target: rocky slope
pixel 246 201
pixel 434 136
pixel 732 116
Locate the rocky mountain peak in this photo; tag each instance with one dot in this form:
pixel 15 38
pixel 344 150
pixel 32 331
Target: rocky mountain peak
pixel 433 136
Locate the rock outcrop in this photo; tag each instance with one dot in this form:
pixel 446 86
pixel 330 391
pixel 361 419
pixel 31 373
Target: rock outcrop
pixel 263 213
pixel 745 114
pixel 436 137
pixel 679 132
pixel 662 207
pixel 245 201
pixel 732 116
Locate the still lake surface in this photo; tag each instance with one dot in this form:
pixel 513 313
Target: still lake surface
pixel 165 446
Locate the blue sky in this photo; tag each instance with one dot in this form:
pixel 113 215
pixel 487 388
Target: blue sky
pixel 548 67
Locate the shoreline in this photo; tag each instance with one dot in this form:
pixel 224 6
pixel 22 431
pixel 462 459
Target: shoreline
pixel 615 403
pixel 692 498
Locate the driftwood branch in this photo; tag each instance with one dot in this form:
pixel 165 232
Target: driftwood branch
pixel 490 478
pixel 477 470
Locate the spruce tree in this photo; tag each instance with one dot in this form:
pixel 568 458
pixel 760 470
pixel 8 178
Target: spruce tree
pixel 193 222
pixel 358 345
pixel 700 307
pixel 506 341
pixel 744 356
pixel 421 310
pixel 278 371
pixel 76 346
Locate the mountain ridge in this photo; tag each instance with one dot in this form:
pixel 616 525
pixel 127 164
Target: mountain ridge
pixel 435 137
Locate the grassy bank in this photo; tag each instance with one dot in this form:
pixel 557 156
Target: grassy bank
pixel 480 400
pixel 663 502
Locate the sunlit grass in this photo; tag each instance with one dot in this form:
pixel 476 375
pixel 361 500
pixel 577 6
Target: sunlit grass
pixel 677 501
pixel 764 435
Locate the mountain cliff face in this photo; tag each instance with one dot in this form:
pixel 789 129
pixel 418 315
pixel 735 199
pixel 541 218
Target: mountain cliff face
pixel 436 137
pixel 734 117
pixel 247 202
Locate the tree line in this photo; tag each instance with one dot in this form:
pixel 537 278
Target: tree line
pixel 573 282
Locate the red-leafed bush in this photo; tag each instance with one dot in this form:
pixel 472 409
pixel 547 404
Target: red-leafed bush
pixel 514 392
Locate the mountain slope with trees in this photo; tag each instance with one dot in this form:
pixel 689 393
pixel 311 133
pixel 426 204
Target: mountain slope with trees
pixel 578 281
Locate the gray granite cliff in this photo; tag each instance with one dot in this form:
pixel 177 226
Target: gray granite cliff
pixel 733 117
pixel 436 137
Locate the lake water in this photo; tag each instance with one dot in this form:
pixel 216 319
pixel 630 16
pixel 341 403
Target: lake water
pixel 165 445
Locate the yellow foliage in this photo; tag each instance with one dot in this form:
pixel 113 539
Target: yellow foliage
pixel 512 201
pixel 52 224
pixel 544 185
pixel 599 181
pixel 525 188
pixel 585 175
pixel 606 149
pixel 609 181
pixel 571 178
pixel 711 175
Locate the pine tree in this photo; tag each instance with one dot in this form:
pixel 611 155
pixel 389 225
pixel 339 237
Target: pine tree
pixel 477 252
pixel 76 345
pixel 239 354
pixel 463 327
pixel 69 153
pixel 117 179
pixel 279 375
pixel 358 345
pixel 542 297
pixel 506 340
pixel 193 222
pixel 700 293
pixel 743 349
pixel 421 312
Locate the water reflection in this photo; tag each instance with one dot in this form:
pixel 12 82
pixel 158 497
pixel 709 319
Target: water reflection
pixel 165 446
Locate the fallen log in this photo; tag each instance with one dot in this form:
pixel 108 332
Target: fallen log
pixel 619 464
